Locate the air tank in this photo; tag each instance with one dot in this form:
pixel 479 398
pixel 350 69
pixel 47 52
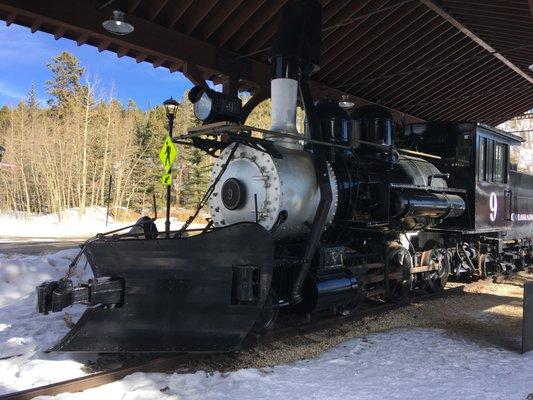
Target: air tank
pixel 372 123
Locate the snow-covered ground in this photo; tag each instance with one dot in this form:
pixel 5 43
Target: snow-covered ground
pixel 70 226
pixel 25 334
pixel 398 364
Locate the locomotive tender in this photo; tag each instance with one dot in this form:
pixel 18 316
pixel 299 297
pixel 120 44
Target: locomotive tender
pixel 306 222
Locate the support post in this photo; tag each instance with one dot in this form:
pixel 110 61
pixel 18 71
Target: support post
pixel 527 321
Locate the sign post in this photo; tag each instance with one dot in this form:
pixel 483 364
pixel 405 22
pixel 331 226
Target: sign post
pixel 167 155
pixel 527 322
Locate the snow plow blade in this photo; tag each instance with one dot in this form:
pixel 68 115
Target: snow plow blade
pixel 197 294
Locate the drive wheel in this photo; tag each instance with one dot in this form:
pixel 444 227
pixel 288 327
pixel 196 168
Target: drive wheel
pixel 436 280
pixel 400 262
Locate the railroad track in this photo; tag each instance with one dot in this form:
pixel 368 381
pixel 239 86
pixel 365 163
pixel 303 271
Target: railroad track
pixel 285 331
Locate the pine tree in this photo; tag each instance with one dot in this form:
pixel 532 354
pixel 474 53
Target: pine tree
pixel 65 82
pixel 32 101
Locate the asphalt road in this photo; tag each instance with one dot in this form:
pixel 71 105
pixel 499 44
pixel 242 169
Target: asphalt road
pixel 36 247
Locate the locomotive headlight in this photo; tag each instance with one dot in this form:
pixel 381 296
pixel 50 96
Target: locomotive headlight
pixel 212 106
pixel 202 107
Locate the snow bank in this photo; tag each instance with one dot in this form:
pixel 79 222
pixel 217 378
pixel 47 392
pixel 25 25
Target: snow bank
pixel 72 225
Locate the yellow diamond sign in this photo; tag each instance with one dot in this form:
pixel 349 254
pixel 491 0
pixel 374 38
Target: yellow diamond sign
pixel 168 154
pixel 166 179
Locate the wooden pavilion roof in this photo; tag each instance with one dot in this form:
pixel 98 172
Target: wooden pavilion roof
pixel 426 59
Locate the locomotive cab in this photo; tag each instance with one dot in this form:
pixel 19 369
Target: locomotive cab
pixel 465 148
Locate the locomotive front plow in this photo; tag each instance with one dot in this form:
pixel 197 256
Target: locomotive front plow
pixel 196 294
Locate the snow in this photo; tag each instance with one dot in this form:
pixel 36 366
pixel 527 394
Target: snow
pixel 72 225
pixel 398 364
pixel 25 334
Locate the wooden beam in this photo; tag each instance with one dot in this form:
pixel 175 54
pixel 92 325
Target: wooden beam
pixel 122 51
pixel 36 25
pixel 257 97
pixel 174 67
pixel 10 19
pixel 157 62
pixel 156 9
pixel 320 91
pixel 82 39
pixel 193 73
pixel 151 38
pixel 448 17
pixel 182 8
pixel 59 32
pixel 133 5
pixel 141 57
pixel 230 85
pixel 103 45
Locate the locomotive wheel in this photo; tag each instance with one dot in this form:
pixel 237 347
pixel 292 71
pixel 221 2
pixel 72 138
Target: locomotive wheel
pixel 487 267
pixel 399 261
pixel 436 280
pixel 267 317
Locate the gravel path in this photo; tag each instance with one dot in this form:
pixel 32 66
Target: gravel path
pixel 489 314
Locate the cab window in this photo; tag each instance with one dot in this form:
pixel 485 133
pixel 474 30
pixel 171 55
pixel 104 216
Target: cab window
pixel 482 160
pixel 464 149
pixel 500 163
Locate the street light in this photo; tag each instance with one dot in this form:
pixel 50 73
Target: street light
pixel 171 106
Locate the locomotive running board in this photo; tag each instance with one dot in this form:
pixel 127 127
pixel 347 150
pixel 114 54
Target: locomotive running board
pixel 196 294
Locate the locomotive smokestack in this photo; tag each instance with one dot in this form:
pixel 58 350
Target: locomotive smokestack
pixel 294 55
pixel 284 92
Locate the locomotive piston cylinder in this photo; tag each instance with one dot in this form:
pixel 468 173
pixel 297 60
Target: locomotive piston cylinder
pixel 425 204
pixel 339 290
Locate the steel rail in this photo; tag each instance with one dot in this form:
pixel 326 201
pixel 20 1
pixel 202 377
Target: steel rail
pixel 94 380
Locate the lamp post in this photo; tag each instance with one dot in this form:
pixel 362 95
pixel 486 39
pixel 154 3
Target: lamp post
pixel 171 106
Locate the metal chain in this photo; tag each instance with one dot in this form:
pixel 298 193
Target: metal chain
pixel 207 194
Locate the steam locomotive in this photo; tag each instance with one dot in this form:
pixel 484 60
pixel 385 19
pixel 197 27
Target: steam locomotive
pixel 308 223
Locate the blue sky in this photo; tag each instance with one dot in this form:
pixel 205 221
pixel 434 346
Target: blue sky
pixel 23 59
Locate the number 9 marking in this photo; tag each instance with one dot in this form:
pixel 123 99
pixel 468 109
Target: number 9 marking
pixel 493 203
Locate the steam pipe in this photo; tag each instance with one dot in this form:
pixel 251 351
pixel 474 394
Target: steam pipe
pixel 326 196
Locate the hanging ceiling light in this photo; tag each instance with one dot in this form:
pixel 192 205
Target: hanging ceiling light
pixel 117 25
pixel 345 102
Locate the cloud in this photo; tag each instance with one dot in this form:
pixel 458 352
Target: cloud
pixel 18 45
pixel 9 91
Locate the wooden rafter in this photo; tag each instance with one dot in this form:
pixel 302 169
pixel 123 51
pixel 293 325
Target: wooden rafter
pixel 157 6
pixel 448 17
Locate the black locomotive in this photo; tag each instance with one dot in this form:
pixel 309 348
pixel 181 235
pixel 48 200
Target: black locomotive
pixel 305 223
